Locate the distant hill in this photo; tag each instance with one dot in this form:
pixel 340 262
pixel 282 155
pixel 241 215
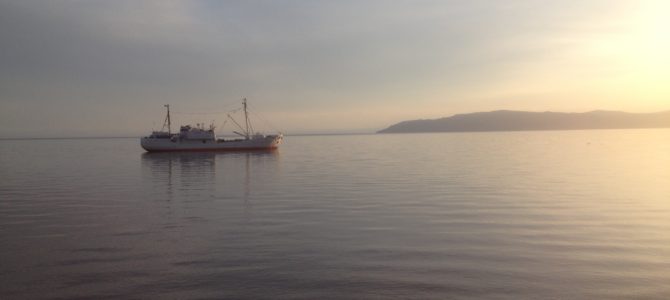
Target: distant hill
pixel 506 120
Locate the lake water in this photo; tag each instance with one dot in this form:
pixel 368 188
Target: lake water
pixel 510 215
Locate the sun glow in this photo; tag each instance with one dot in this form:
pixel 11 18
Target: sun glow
pixel 650 41
pixel 639 54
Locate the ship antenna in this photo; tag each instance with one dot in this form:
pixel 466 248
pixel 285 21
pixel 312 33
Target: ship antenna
pixel 167 119
pixel 246 116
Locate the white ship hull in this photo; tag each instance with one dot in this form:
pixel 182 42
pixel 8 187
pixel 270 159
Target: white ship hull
pixel 269 142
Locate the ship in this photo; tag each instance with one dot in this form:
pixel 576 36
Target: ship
pixel 201 138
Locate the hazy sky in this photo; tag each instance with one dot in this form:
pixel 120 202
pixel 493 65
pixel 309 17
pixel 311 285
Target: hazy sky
pixel 100 68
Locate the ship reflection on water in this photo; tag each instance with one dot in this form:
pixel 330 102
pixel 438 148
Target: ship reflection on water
pixel 209 174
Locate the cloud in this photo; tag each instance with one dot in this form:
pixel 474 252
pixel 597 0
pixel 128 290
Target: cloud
pixel 123 59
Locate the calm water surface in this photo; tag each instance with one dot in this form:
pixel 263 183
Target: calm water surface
pixel 523 215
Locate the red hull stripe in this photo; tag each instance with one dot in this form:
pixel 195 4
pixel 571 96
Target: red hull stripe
pixel 217 149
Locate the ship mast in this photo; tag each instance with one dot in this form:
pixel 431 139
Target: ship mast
pixel 246 117
pixel 167 119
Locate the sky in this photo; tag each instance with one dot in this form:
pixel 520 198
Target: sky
pixel 105 68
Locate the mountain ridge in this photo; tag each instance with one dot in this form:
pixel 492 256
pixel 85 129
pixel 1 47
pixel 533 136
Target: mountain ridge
pixel 514 120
